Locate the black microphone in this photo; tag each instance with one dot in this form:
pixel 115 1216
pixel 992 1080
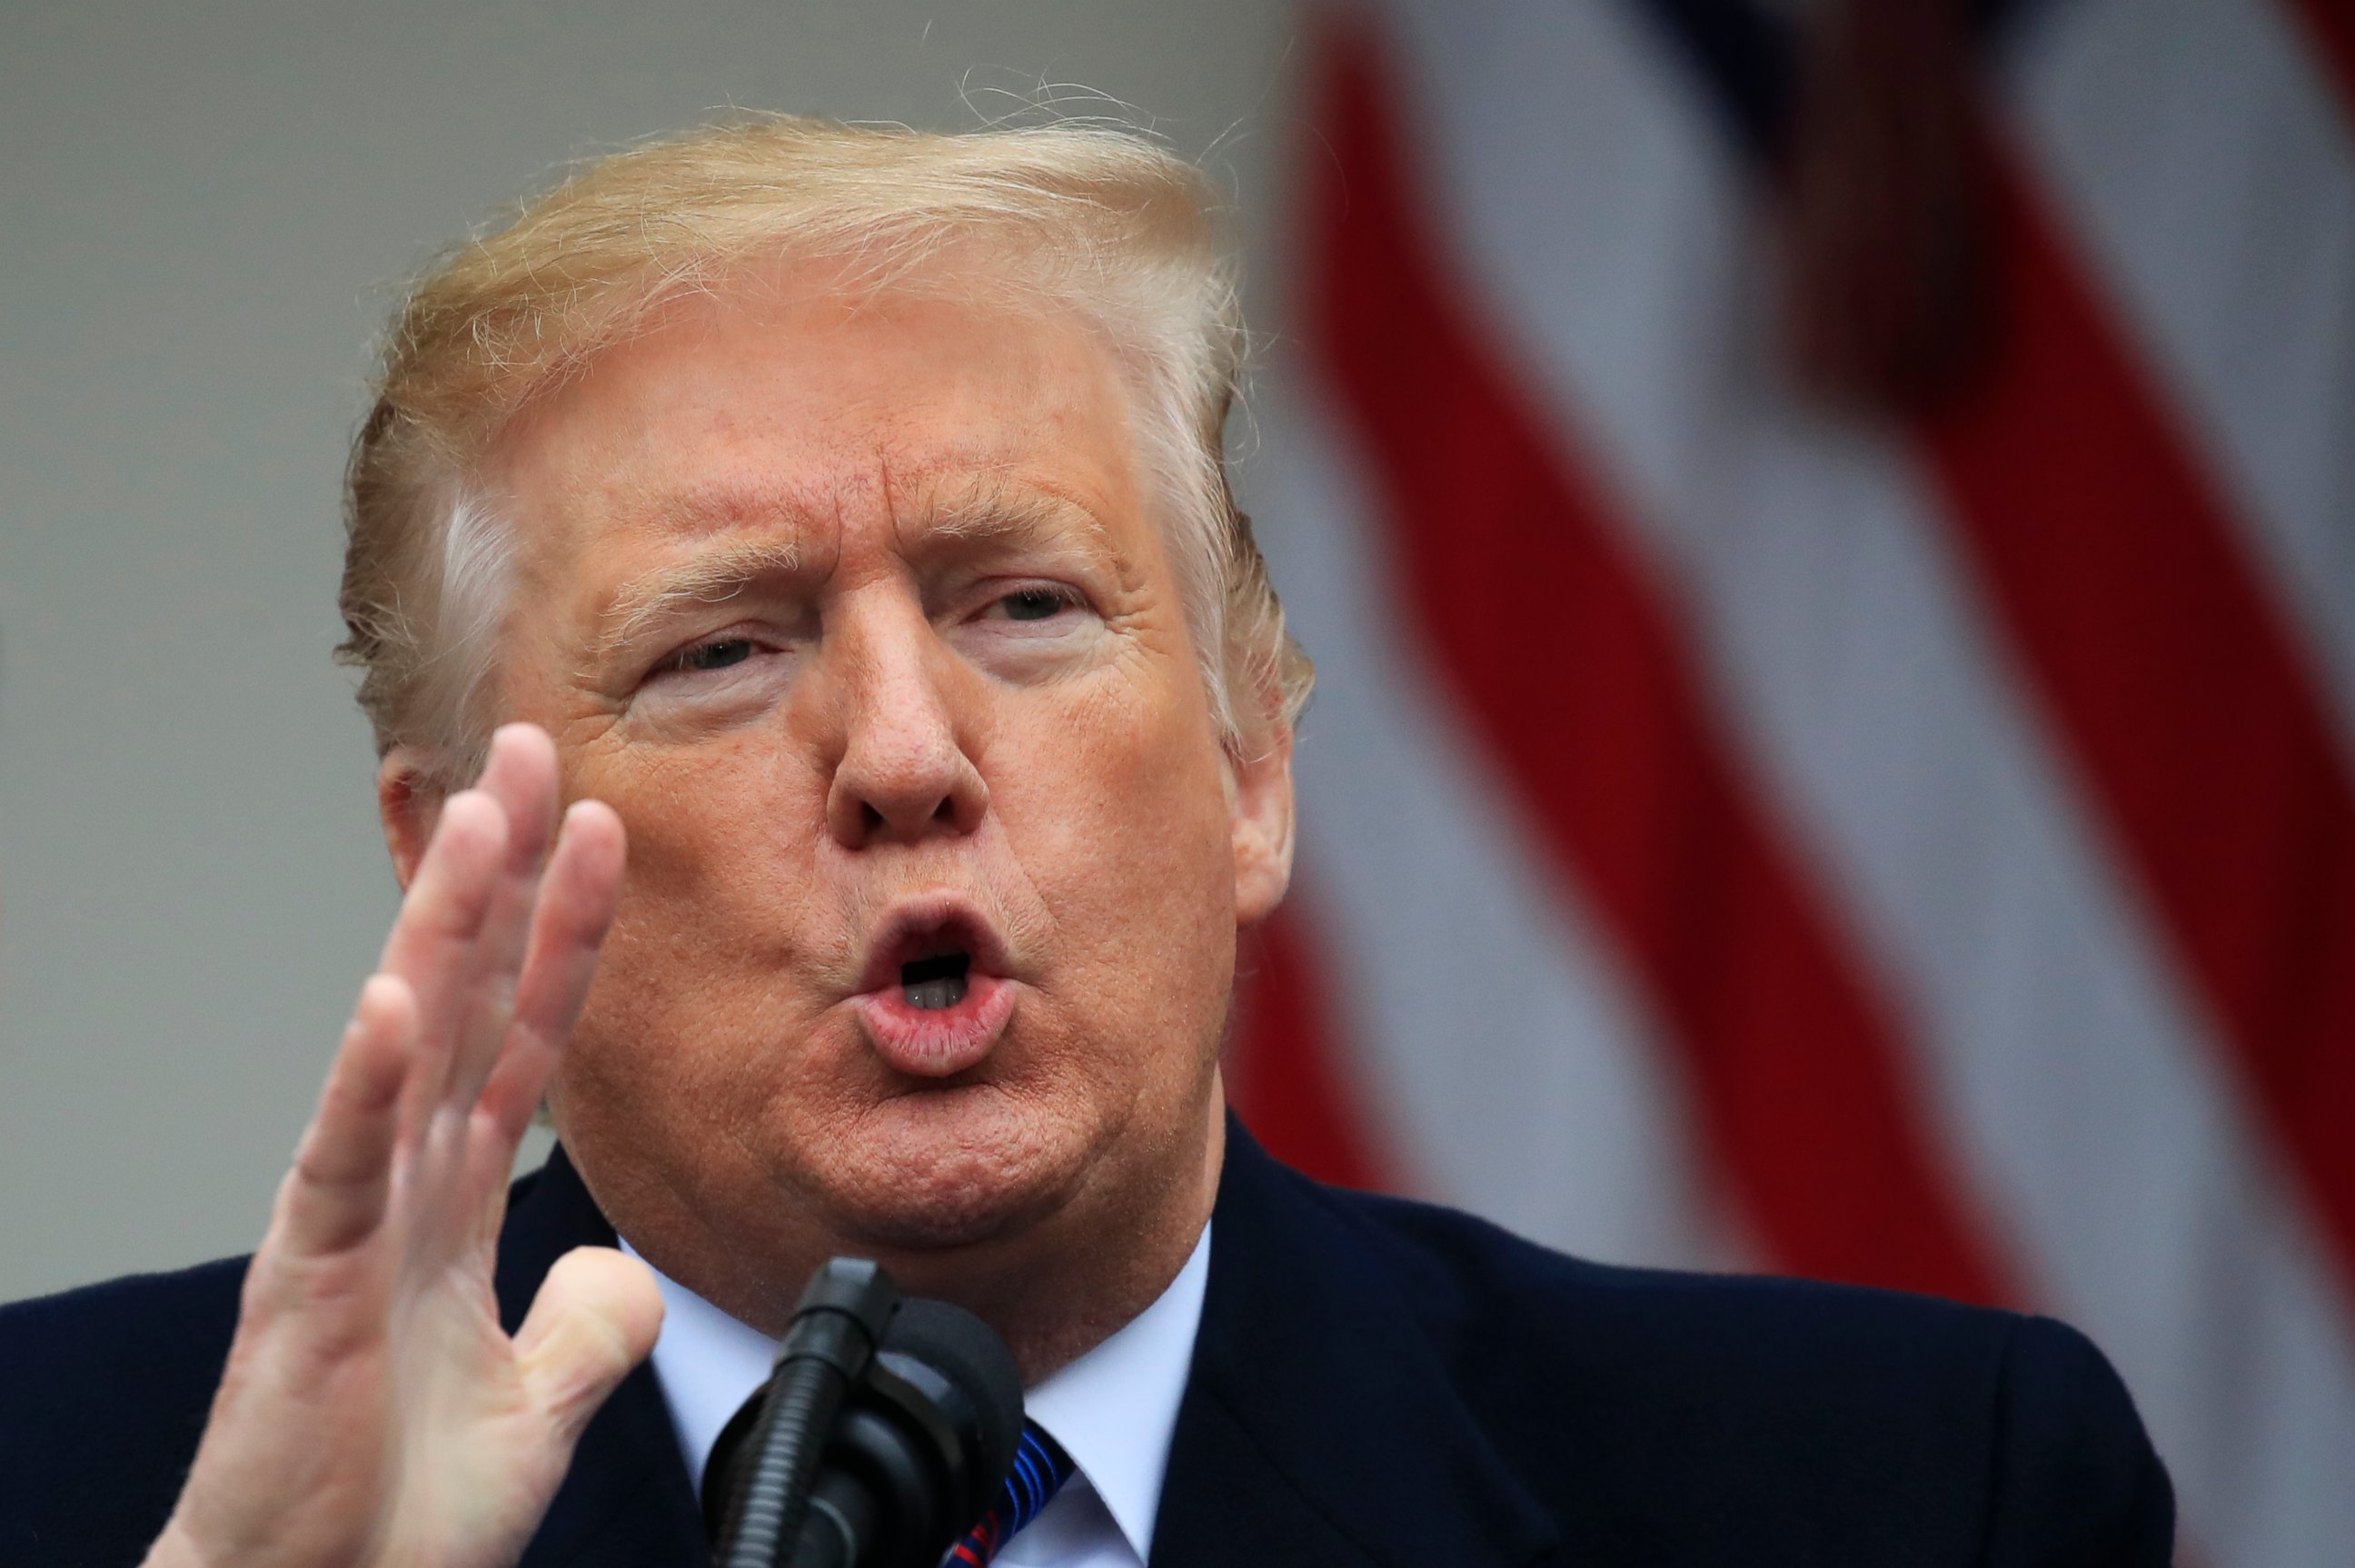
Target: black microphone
pixel 916 1450
pixel 826 1349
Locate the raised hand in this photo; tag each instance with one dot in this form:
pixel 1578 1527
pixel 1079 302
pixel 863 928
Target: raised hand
pixel 373 1411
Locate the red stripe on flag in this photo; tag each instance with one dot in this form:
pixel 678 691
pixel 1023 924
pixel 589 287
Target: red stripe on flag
pixel 1566 662
pixel 2115 566
pixel 1284 1074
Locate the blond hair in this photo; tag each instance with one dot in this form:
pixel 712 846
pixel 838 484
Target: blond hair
pixel 1078 217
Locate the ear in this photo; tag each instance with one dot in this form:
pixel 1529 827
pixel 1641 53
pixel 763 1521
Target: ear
pixel 1261 815
pixel 409 803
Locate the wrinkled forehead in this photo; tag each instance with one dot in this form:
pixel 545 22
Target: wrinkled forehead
pixel 765 433
pixel 759 400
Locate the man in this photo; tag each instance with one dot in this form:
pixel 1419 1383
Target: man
pixel 836 518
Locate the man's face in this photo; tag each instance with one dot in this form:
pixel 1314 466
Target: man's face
pixel 855 613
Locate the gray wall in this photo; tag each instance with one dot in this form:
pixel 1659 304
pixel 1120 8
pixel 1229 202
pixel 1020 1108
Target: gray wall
pixel 200 208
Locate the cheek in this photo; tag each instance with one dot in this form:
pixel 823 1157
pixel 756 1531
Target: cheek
pixel 1121 821
pixel 713 825
pixel 715 912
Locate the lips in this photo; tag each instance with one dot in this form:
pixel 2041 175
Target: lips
pixel 934 995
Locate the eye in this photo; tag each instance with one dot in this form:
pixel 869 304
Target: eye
pixel 1033 604
pixel 724 676
pixel 1027 629
pixel 719 653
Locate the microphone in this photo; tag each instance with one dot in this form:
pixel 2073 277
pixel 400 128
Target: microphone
pixel 914 1453
pixel 826 1349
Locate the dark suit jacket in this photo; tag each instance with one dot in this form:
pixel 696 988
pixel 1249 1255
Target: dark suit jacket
pixel 1375 1382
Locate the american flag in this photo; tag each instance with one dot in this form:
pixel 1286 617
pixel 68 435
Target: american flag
pixel 1905 838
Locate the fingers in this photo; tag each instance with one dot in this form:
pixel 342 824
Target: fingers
pixel 435 946
pixel 520 776
pixel 459 941
pixel 335 1196
pixel 577 899
pixel 496 942
pixel 595 1317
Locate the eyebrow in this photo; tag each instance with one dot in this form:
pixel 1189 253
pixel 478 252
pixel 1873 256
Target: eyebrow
pixel 712 578
pixel 991 513
pixel 976 517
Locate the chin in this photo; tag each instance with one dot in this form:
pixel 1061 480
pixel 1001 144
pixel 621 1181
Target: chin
pixel 951 1168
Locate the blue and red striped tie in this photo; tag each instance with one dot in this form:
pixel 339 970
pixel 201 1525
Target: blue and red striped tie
pixel 1041 1468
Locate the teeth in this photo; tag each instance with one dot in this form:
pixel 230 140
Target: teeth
pixel 943 991
pixel 935 981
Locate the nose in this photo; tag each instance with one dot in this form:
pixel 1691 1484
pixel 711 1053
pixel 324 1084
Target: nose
pixel 904 774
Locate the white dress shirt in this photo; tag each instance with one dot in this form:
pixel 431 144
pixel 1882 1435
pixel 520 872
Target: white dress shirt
pixel 1114 1411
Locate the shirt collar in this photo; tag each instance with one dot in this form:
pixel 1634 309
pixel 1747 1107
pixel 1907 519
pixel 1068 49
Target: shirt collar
pixel 1114 1410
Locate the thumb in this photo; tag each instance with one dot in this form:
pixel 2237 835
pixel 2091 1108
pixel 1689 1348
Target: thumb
pixel 595 1317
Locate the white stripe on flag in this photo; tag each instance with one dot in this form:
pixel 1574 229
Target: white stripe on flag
pixel 2199 152
pixel 1494 1030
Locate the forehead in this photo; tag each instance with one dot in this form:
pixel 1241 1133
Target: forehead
pixel 762 405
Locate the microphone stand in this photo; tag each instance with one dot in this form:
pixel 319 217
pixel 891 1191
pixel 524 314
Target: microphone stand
pixel 836 1330
pixel 867 1448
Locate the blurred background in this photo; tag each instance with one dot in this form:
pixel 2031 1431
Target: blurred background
pixel 1829 528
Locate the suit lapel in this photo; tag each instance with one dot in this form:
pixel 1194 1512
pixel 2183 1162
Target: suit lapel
pixel 627 1500
pixel 1319 1426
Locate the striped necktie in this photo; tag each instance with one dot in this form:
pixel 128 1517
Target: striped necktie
pixel 1041 1468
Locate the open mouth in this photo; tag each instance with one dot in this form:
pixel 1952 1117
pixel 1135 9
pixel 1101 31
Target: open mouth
pixel 935 981
pixel 935 995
